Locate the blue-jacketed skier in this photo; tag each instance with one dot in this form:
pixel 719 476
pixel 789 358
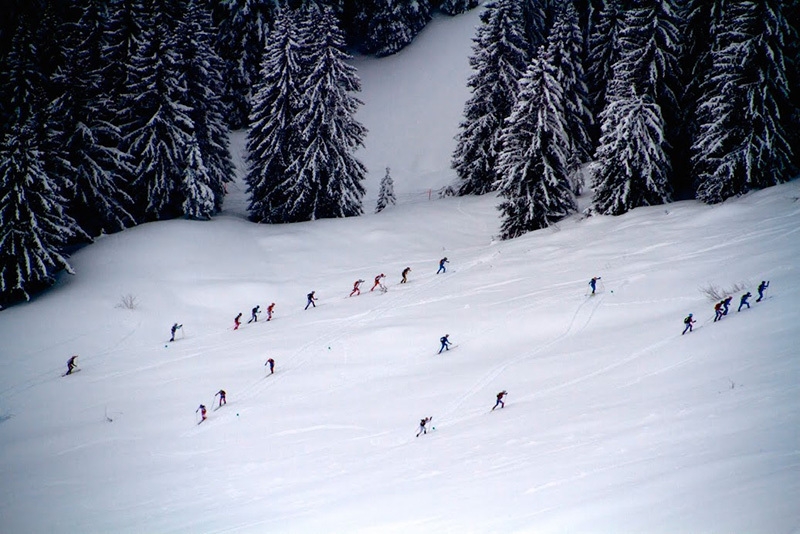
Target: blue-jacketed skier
pixel 688 321
pixel 405 275
pixel 500 400
pixel 442 268
pixel 593 283
pixel 743 301
pixel 725 304
pixel 71 365
pixel 222 400
pixel 311 299
pixel 254 314
pixel 761 288
pixel 175 328
pixel 445 343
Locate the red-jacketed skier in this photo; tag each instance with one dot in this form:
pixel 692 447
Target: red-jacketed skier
pixel 202 410
pixel 237 321
pixel 357 287
pixel 422 425
pixel 500 400
pixel 271 364
pixel 270 309
pixel 378 280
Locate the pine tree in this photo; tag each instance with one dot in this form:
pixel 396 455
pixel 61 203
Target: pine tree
pixel 534 161
pixel 632 165
pixel 393 24
pixel 203 74
pixel 200 202
pixel 742 144
pixel 33 227
pixel 456 7
pixel 791 10
pixel 565 52
pixel 91 162
pixel 603 52
pixel 386 194
pixel 272 139
pixel 158 126
pixel 324 179
pixel 500 56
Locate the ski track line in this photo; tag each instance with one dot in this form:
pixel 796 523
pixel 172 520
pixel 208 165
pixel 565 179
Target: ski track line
pixel 492 374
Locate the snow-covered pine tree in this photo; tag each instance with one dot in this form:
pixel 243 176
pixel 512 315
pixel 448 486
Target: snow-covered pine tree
pixel 565 50
pixel 742 143
pixel 272 140
pixel 243 26
pixel 33 225
pixel 791 10
pixel 456 7
pixel 394 24
pixel 533 164
pixel 91 160
pixel 499 58
pixel 603 52
pixel 386 196
pixel 198 191
pixel 632 165
pixel 157 128
pixel 324 179
pixel 203 74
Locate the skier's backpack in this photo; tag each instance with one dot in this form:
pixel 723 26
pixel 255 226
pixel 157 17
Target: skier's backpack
pixel 687 320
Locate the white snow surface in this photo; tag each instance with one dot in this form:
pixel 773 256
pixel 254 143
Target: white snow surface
pixel 614 421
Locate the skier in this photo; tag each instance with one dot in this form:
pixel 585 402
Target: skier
pixel 202 410
pixel 500 400
pixel 422 423
pixel 271 364
pixel 378 280
pixel 356 287
pixel 237 321
pixel 311 299
pixel 270 309
pixel 743 301
pixel 174 329
pixel 688 322
pixel 254 314
pixel 445 343
pixel 405 275
pixel 222 400
pixel 442 268
pixel 593 283
pixel 761 288
pixel 71 365
pixel 725 304
pixel 718 311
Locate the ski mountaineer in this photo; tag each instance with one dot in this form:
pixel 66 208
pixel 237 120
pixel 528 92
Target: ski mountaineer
pixel 743 301
pixel 725 304
pixel 311 299
pixel 202 410
pixel 405 275
pixel 270 309
pixel 442 268
pixel 500 400
pixel 356 287
pixel 761 288
pixel 422 427
pixel 71 365
pixel 254 314
pixel 593 283
pixel 688 322
pixel 378 280
pixel 237 321
pixel 445 343
pixel 174 329
pixel 718 312
pixel 222 400
pixel 271 364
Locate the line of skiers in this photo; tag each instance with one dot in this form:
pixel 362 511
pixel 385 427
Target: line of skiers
pixel 721 308
pixel 223 396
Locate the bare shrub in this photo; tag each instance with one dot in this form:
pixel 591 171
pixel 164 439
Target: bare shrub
pixel 127 302
pixel 715 293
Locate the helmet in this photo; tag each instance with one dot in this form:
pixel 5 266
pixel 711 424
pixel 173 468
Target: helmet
pixel 690 315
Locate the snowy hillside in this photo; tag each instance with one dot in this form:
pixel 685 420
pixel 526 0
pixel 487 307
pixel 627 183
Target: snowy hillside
pixel 614 422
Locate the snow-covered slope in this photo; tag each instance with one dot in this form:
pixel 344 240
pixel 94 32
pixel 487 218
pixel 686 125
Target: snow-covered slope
pixel 614 422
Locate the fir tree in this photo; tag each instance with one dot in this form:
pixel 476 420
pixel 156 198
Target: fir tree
pixel 386 194
pixel 158 126
pixel 534 161
pixel 200 202
pixel 456 7
pixel 632 165
pixel 603 52
pixel 500 56
pixel 324 179
pixel 33 227
pixel 742 144
pixel 393 24
pixel 565 52
pixel 272 139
